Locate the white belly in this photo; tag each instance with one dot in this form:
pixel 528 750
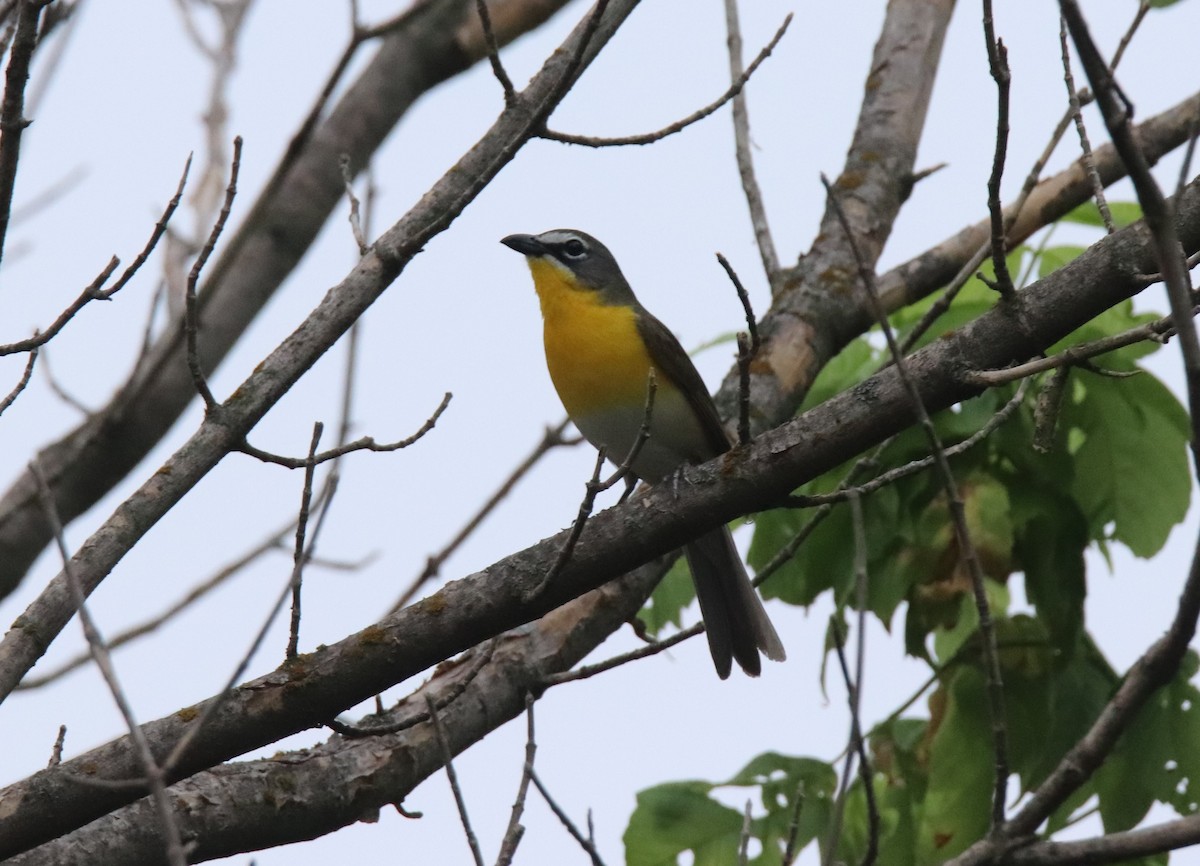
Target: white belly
pixel 675 435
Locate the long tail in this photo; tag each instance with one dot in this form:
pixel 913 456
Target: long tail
pixel 737 625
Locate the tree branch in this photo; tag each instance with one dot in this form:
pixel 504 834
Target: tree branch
pixel 479 606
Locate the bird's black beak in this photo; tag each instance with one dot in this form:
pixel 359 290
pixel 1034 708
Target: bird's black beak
pixel 526 244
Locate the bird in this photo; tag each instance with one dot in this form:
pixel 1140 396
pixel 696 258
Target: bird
pixel 602 346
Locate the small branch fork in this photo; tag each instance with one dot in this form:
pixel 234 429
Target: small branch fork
pixel 595 487
pixel 94 290
pixel 365 443
pixel 1160 330
pixel 748 344
pixel 967 552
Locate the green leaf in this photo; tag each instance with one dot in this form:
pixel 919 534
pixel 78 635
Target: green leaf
pixel 669 599
pixel 1131 470
pixel 972 301
pixel 1053 258
pixel 849 367
pixel 1050 542
pixel 781 778
pixel 958 801
pixel 1114 320
pixel 1123 213
pixel 681 816
pixel 1157 758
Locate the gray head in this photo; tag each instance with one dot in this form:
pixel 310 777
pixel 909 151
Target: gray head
pixel 581 256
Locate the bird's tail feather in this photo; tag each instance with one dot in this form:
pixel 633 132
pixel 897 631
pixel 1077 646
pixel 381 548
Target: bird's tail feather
pixel 734 618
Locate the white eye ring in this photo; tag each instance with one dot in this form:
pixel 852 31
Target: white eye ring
pixel 575 249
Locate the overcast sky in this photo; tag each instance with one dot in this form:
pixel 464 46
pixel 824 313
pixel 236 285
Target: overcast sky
pixel 124 110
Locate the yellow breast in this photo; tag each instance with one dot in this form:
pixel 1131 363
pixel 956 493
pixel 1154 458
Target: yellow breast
pixel 596 357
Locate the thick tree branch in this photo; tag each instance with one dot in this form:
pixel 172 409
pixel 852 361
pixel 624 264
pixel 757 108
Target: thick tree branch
pixel 225 426
pixel 809 320
pixel 1050 200
pixel 316 791
pixel 477 607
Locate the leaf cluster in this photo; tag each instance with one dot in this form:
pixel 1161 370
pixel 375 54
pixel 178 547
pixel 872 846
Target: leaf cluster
pixel 1115 472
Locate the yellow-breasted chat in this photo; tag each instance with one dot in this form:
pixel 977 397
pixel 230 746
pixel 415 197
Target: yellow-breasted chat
pixel 601 345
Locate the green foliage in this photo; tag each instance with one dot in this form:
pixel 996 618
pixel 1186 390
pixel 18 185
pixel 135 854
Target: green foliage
pixel 673 593
pixel 1117 473
pixel 682 816
pixel 1123 213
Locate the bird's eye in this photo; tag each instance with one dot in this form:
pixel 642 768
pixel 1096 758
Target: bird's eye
pixel 575 249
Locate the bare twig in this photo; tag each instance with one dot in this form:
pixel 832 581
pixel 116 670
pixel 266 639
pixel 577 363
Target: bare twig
pixel 59 742
pixel 1143 8
pixel 192 324
pixel 355 221
pixel 154 776
pixel 493 52
pixel 744 297
pixel 1158 330
pixel 1047 407
pixel 300 554
pixel 585 843
pixel 744 841
pixel 744 356
pixel 12 395
pixel 847 491
pixel 512 836
pixel 366 443
pixel 651 649
pixel 855 687
pixel 448 760
pixel 1085 144
pixel 793 836
pixel 595 487
pixel 1157 212
pixel 552 438
pixel 682 123
pixel 1002 75
pixel 967 551
pixel 741 134
pixel 94 292
pixel 12 108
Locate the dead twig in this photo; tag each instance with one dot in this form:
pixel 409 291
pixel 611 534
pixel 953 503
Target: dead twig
pixel 967 552
pixel 448 760
pixel 155 776
pixel 191 321
pixel 595 487
pixel 366 443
